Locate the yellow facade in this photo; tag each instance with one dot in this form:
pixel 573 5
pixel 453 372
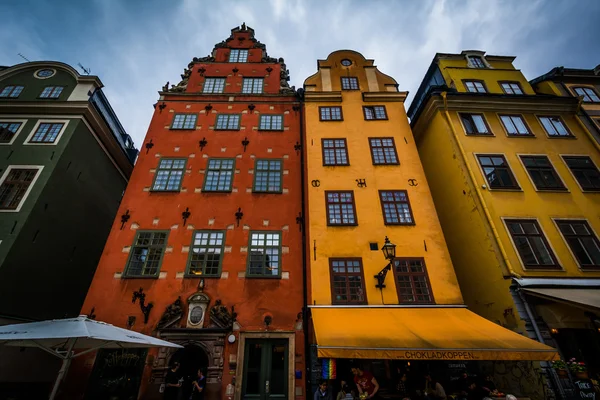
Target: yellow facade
pixel 471 213
pixel 423 239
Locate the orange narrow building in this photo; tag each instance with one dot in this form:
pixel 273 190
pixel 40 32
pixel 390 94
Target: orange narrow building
pixel 206 250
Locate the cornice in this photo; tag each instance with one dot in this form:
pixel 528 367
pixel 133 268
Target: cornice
pixel 385 96
pixel 332 97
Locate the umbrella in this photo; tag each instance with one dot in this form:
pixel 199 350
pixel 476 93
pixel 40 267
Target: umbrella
pixel 60 337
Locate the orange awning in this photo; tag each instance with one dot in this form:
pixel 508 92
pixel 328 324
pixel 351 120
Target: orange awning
pixel 419 334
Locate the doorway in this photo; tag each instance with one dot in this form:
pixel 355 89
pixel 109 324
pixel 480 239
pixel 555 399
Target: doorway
pixel 265 369
pixel 191 358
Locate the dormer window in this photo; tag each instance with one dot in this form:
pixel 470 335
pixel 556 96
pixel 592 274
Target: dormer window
pixel 475 86
pixel 476 62
pixel 238 55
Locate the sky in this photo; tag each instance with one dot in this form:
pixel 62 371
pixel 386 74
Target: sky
pixel 135 47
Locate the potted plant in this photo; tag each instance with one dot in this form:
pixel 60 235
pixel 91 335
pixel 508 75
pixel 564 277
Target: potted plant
pixel 578 368
pixel 561 368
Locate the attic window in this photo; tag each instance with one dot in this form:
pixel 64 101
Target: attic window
pixel 476 62
pixel 44 73
pixel 346 62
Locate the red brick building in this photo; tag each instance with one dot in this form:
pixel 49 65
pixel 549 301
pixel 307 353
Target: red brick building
pixel 206 242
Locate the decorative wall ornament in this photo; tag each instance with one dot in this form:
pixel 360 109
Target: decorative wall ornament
pixel 251 107
pixel 197 305
pixel 201 70
pixel 269 69
pixel 412 182
pixel 130 321
pixel 235 70
pixel 124 218
pixel 361 182
pixel 185 215
pixel 300 220
pixel 221 317
pixel 208 107
pixel 172 314
pixel 296 108
pixel 245 143
pixel 145 308
pixel 149 145
pixel 297 147
pixel 161 107
pixel 238 215
pixel 202 143
pixel 166 87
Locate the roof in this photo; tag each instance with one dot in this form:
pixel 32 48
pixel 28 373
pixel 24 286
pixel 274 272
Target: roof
pixel 559 73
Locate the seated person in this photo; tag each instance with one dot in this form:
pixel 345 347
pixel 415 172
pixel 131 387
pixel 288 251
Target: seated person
pixel 322 392
pixel 433 389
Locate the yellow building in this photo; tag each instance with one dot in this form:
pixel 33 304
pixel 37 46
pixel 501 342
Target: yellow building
pixel 365 182
pixel 514 176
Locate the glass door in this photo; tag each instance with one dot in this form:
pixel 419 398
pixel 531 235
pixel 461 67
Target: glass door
pixel 265 370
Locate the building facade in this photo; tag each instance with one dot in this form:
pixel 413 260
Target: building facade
pixel 208 239
pixel 366 192
pixel 66 161
pixel 514 176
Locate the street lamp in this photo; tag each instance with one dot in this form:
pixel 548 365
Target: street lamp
pixel 389 252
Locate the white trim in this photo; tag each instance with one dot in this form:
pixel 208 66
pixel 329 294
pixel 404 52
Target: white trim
pixel 553 167
pixel 37 175
pixel 555 254
pixel 22 121
pixel 487 184
pixel 65 123
pixel 35 74
pixel 558 282
pixel 480 54
pixel 562 156
pixel 554 219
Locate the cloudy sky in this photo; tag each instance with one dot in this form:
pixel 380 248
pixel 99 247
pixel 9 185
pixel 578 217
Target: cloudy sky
pixel 137 46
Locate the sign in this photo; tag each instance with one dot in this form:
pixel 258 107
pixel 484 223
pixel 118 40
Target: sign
pixel 585 389
pixel 439 355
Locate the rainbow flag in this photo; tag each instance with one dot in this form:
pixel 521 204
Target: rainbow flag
pixel 329 368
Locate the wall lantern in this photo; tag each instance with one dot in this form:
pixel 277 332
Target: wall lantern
pixel 389 252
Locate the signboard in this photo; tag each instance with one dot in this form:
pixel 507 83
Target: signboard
pixel 585 389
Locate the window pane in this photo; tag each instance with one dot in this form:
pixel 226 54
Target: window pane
pixel 146 254
pixel 480 124
pixel 8 130
pixel 46 133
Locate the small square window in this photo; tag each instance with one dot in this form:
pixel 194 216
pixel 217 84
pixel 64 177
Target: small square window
pixel 542 173
pixel 511 87
pixel 238 55
pixel 8 130
pixel 340 208
pixel 252 85
pixel 219 175
pixel 146 253
pixel 497 171
pixel 515 125
pixel 589 94
pixel 374 112
pixel 475 124
pixel 169 175
pixel 271 122
pixel 214 85
pixel 373 246
pixel 228 122
pixel 47 132
pixel 396 207
pixel 335 152
pixel 330 113
pixel 475 86
pixel 206 253
pixel 347 281
pixel 554 126
pixel 531 244
pixel 349 83
pixel 264 255
pixel 184 121
pixel 585 172
pixel 383 151
pixel 11 91
pixel 267 176
pixel 51 92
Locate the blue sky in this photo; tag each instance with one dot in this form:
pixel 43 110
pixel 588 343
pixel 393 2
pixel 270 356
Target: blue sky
pixel 135 47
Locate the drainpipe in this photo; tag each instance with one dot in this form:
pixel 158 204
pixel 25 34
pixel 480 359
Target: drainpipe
pixel 478 190
pixel 305 311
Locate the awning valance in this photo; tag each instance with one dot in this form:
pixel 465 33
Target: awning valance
pixel 588 298
pixel 419 334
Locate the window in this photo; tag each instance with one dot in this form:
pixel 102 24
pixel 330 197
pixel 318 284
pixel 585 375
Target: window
pixel 267 176
pixel 271 123
pixel 584 170
pixel 395 207
pixel 531 244
pixel 542 173
pixel 340 208
pixel 219 175
pixel 589 94
pixel 412 281
pixel 582 241
pixel 46 132
pixel 8 130
pixel 252 85
pixel 44 73
pixel 375 112
pixel 11 91
pixel 554 126
pixel 511 87
pixel 383 151
pixel 330 113
pixel 228 122
pixel 476 62
pixel 15 187
pixel 206 253
pixel 515 125
pixel 51 92
pixel 475 124
pixel 184 121
pixel 497 172
pixel 264 254
pixel 347 281
pixel 475 86
pixel 214 85
pixel 346 63
pixel 335 152
pixel 145 256
pixel 349 83
pixel 238 55
pixel 169 175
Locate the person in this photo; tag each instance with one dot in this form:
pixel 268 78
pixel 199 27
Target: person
pixel 462 386
pixel 402 385
pixel 341 395
pixel 172 382
pixel 365 382
pixel 198 386
pixel 475 392
pixel 488 385
pixel 433 389
pixel 347 392
pixel 322 392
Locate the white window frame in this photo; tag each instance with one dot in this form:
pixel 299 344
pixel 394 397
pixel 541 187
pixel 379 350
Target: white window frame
pixel 8 119
pixel 35 74
pixel 65 123
pixel 37 175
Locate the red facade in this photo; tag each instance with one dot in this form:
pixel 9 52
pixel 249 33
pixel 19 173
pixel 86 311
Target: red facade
pixel 263 312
